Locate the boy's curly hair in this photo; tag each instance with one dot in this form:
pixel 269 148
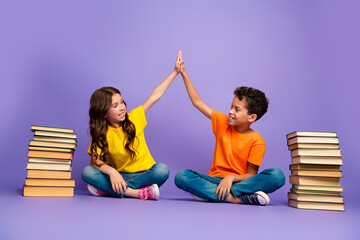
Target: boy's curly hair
pixel 256 101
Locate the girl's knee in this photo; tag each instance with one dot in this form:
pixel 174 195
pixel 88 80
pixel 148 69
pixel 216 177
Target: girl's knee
pixel 88 172
pixel 161 169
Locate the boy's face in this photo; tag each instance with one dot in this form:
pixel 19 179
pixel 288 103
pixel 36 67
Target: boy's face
pixel 238 114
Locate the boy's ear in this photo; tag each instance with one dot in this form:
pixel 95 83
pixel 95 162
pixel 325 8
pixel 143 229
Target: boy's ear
pixel 252 118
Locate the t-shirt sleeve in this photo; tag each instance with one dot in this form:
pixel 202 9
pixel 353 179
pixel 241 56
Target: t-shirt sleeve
pixel 219 121
pixel 256 154
pixel 137 116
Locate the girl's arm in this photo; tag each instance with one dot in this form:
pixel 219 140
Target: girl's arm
pixel 160 90
pixel 194 96
pixel 117 181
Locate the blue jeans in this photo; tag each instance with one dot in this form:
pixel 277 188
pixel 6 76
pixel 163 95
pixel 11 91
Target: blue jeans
pixel 204 186
pixel 158 174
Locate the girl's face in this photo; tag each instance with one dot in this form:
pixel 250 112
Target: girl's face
pixel 117 111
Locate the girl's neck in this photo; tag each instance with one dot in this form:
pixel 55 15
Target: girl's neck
pixel 114 125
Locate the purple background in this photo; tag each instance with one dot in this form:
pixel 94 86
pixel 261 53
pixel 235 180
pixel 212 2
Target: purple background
pixel 303 54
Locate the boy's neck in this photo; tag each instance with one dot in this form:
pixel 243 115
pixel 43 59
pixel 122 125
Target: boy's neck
pixel 243 129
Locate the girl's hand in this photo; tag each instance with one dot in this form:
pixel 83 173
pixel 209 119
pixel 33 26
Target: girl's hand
pixel 224 187
pixel 178 62
pixel 117 181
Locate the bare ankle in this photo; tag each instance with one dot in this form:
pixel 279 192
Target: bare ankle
pixel 232 199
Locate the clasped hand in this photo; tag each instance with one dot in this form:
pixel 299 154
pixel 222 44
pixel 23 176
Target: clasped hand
pixel 117 181
pixel 224 187
pixel 179 64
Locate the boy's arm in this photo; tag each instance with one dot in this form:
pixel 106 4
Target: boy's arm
pixel 160 90
pixel 194 96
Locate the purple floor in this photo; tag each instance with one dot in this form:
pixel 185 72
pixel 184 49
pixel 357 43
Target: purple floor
pixel 181 217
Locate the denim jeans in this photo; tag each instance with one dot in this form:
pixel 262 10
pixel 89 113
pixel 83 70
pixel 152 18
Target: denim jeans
pixel 204 186
pixel 158 174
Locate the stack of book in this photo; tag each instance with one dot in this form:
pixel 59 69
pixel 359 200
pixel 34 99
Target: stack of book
pixel 315 171
pixel 49 165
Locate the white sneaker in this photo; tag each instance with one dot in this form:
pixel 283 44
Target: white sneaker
pixel 256 198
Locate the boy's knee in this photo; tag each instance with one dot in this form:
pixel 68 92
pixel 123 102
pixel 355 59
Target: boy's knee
pixel 181 177
pixel 277 176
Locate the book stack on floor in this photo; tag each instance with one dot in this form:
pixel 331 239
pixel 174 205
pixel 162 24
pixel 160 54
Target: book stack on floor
pixel 315 171
pixel 49 165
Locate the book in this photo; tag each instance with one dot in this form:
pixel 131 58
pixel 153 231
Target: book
pixel 317 160
pixel 337 189
pixel 48 166
pixel 316 173
pixel 311 134
pixel 46 191
pixel 48 174
pixel 34 143
pixel 50 154
pixel 315 167
pixel 51 149
pixel 315 198
pixel 312 192
pixel 317 205
pixel 50 182
pixel 51 129
pixel 316 152
pixel 315 181
pixel 313 145
pixel 55 134
pixel 55 139
pixel 313 140
pixel 49 160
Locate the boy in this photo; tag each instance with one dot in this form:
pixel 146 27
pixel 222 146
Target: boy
pixel 233 176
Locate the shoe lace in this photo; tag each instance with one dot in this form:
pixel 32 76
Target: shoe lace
pixel 250 199
pixel 144 193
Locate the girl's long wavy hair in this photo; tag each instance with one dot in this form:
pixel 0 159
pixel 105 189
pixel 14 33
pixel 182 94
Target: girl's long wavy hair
pixel 100 103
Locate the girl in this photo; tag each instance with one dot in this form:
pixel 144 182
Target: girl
pixel 121 163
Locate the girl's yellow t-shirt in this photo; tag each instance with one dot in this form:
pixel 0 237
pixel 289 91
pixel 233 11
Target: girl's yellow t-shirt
pixel 119 158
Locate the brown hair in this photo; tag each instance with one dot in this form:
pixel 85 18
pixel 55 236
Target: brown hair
pixel 256 101
pixel 100 103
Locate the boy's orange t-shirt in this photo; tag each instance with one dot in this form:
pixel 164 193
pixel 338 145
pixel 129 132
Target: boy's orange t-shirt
pixel 233 150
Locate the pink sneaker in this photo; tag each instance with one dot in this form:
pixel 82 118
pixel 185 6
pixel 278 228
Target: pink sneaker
pixel 94 191
pixel 151 193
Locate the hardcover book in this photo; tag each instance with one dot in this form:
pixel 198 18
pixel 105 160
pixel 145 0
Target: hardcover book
pixel 47 191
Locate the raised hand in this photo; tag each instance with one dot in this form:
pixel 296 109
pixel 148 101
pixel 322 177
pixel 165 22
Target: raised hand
pixel 178 62
pixel 182 65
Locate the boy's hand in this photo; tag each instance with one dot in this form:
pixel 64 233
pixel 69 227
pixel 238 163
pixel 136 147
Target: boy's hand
pixel 224 187
pixel 177 68
pixel 182 65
